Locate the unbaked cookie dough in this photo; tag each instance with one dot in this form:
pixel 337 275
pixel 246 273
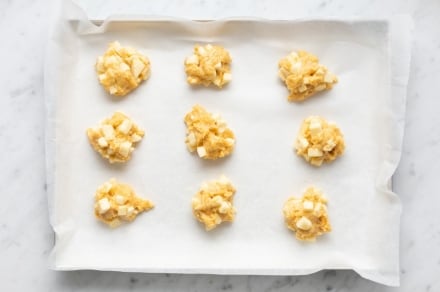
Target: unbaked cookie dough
pixel 115 137
pixel 213 203
pixel 307 216
pixel 121 69
pixel 208 65
pixel 319 141
pixel 116 202
pixel 208 134
pixel 304 76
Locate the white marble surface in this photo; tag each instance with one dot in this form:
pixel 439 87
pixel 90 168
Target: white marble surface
pixel 26 237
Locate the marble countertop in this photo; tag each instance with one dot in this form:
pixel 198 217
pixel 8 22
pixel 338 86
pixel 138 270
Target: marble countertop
pixel 25 234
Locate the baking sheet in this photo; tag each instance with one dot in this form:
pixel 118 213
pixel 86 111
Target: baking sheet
pixel 371 60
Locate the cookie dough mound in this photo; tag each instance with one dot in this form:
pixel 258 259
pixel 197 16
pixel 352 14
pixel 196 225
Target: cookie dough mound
pixel 319 141
pixel 212 204
pixel 116 202
pixel 208 65
pixel 307 216
pixel 208 134
pixel 121 69
pixel 115 137
pixel 304 76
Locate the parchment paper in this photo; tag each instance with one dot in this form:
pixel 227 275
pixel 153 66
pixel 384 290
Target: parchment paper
pixel 371 60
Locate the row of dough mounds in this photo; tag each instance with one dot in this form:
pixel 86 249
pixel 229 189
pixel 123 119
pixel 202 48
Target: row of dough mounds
pixel 122 69
pixel 212 205
pixel 209 136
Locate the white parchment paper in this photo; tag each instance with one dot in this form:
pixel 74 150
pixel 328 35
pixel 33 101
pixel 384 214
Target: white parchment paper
pixel 371 60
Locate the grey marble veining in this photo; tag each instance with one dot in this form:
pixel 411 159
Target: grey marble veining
pixel 25 234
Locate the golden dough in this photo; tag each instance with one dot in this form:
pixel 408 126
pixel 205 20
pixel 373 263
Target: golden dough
pixel 208 65
pixel 304 76
pixel 307 216
pixel 116 202
pixel 208 134
pixel 213 203
pixel 319 141
pixel 121 69
pixel 115 137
